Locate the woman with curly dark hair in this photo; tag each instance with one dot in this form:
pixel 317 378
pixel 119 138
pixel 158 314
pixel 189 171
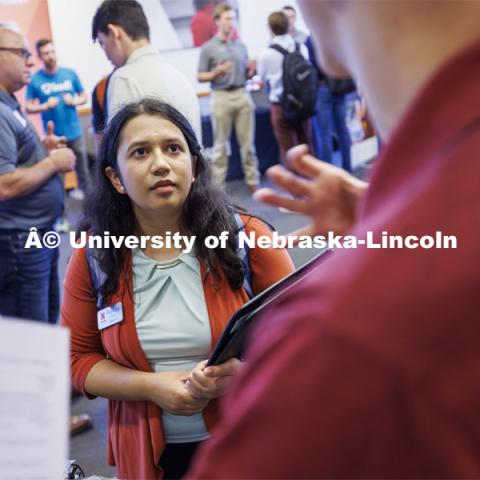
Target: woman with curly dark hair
pixel 144 320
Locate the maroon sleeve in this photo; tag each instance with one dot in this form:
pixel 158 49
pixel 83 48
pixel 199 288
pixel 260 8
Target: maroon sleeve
pixel 311 404
pixel 79 314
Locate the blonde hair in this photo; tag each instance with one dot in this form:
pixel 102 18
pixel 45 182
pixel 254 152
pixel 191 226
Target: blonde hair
pixel 221 8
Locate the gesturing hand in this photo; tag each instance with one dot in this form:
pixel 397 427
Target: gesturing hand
pixel 223 68
pixel 53 141
pixel 63 159
pixel 52 102
pixel 327 194
pixel 169 392
pixel 69 100
pixel 251 65
pixel 210 382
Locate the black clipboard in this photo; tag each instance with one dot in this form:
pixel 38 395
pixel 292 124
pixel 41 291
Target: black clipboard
pixel 232 341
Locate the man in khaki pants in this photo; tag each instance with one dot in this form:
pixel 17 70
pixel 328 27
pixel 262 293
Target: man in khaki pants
pixel 224 62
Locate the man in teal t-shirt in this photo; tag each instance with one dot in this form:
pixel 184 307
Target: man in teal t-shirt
pixel 55 92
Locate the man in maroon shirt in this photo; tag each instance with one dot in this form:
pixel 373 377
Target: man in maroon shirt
pixel 202 25
pixel 371 367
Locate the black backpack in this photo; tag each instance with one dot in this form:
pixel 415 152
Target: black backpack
pixel 299 80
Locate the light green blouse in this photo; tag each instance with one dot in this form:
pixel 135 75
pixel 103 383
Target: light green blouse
pixel 173 326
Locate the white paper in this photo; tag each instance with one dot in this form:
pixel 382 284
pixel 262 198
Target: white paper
pixel 34 400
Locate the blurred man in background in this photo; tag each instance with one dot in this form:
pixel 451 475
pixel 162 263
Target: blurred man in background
pixel 122 30
pixel 271 72
pixel 56 92
pixel 297 34
pixel 224 63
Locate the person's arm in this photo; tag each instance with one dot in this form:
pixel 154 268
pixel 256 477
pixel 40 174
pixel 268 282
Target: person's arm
pixel 18 181
pixel 251 66
pixel 94 374
pixel 325 193
pixel 75 100
pixel 268 266
pixel 166 389
pixel 79 97
pixel 262 71
pixel 24 180
pixel 32 106
pixel 218 71
pixel 208 74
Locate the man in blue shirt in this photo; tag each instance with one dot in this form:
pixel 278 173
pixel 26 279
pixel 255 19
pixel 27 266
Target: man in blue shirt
pixel 55 92
pixel 31 194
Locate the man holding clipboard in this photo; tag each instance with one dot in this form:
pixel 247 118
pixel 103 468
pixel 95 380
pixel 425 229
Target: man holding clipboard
pixel 370 369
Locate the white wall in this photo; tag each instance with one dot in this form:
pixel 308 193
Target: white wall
pixel 186 61
pixel 254 14
pixel 161 28
pixel 71 23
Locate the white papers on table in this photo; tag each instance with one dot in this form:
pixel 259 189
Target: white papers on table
pixel 34 400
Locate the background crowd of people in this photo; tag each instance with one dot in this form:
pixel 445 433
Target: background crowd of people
pixel 33 194
pixel 368 368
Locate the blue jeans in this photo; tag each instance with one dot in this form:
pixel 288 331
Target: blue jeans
pixel 28 279
pixel 81 165
pixel 331 117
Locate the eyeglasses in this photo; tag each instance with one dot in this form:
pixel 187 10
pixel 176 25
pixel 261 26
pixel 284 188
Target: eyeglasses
pixel 21 52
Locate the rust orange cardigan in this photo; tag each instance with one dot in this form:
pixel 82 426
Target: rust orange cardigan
pixel 136 440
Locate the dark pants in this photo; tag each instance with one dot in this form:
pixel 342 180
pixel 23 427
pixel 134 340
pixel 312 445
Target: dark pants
pixel 287 134
pixel 331 117
pixel 81 165
pixel 176 459
pixel 28 279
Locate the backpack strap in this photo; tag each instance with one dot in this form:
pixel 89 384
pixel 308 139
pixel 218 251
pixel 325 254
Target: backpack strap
pixel 279 49
pixel 242 254
pixel 101 91
pixel 297 47
pixel 97 275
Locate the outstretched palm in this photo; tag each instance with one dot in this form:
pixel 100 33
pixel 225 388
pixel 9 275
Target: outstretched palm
pixel 327 194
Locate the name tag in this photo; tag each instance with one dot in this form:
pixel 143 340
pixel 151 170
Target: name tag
pixel 19 117
pixel 109 316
